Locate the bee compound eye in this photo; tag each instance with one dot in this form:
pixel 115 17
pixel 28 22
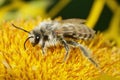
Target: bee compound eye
pixel 37 37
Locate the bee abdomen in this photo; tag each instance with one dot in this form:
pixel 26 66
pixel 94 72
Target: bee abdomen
pixel 85 36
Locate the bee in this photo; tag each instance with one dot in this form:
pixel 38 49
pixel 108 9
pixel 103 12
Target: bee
pixel 65 32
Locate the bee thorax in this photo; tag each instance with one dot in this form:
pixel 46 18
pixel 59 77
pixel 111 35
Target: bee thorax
pixel 51 43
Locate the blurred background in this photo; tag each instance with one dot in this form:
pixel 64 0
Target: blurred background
pixel 102 15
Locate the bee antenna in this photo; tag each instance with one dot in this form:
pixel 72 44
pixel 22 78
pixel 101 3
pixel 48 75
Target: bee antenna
pixel 20 28
pixel 26 41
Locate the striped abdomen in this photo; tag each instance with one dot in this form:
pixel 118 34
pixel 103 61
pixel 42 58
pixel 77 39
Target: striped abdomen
pixel 78 32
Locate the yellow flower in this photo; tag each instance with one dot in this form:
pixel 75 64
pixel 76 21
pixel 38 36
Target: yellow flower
pixel 17 63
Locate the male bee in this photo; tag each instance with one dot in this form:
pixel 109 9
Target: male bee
pixel 66 32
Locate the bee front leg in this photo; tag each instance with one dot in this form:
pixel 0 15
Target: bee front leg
pixel 43 47
pixel 84 50
pixel 66 48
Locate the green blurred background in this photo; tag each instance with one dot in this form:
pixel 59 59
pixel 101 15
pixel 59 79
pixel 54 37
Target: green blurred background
pixel 102 15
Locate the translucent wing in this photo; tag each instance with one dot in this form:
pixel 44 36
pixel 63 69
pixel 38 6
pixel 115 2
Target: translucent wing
pixel 74 28
pixel 74 20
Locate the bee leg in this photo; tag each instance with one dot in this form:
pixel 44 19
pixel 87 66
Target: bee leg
pixel 66 48
pixel 43 48
pixel 84 50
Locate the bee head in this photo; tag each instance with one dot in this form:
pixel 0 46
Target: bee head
pixel 34 37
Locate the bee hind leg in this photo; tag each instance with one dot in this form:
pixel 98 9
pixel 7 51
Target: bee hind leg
pixel 84 50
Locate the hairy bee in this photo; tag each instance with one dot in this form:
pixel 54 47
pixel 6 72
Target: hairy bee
pixel 66 32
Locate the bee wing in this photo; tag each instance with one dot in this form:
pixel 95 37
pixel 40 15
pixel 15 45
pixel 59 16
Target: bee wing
pixel 71 29
pixel 74 20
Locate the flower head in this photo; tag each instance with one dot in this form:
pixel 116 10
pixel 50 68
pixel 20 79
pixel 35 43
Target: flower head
pixel 17 63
